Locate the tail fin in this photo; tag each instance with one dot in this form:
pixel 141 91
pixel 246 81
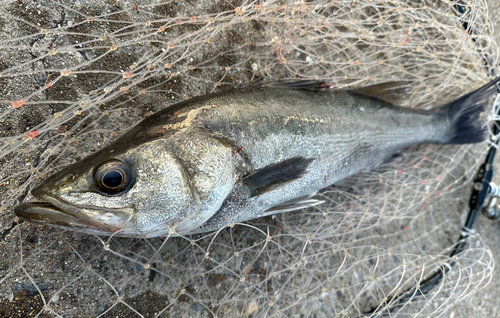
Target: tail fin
pixel 465 126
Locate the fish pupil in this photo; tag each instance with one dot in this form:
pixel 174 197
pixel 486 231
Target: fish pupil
pixel 112 179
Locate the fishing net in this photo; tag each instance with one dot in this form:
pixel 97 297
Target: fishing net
pixel 76 74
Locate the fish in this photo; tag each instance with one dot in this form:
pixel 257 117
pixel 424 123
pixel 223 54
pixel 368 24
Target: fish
pixel 218 160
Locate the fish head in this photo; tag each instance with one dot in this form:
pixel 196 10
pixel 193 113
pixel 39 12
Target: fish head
pixel 140 191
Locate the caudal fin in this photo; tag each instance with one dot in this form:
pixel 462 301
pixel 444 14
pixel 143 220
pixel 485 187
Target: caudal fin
pixel 465 126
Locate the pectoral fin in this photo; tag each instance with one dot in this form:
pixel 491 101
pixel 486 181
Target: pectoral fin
pixel 295 204
pixel 284 171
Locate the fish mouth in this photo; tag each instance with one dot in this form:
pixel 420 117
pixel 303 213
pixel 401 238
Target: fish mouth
pixel 49 210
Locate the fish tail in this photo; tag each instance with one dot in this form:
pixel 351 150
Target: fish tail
pixel 462 115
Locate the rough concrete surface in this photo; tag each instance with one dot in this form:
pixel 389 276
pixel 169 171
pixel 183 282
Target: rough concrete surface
pixel 83 275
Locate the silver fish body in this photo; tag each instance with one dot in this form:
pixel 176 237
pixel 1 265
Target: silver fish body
pixel 230 157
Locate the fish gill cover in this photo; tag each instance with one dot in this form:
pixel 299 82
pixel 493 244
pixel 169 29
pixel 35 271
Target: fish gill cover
pixel 74 75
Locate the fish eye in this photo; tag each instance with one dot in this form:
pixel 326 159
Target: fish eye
pixel 113 176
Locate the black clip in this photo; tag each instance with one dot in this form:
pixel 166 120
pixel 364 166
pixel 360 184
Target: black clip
pixel 497 85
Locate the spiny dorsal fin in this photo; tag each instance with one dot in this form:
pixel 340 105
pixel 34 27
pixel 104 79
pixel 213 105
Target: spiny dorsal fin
pixel 310 85
pixel 284 171
pixel 392 92
pixel 256 82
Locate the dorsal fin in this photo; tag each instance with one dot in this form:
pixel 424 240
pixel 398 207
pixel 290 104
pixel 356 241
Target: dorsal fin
pixel 392 92
pixel 256 82
pixel 310 85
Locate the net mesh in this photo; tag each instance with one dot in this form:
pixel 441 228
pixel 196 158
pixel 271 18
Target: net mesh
pixel 76 74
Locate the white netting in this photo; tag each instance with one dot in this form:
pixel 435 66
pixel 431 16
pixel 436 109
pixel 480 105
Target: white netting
pixel 76 74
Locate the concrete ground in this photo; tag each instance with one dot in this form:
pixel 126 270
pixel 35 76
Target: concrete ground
pixel 483 303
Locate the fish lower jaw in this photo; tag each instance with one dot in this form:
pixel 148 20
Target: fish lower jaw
pixel 49 210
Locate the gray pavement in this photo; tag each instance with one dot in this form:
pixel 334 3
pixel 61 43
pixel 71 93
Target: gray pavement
pixel 91 278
